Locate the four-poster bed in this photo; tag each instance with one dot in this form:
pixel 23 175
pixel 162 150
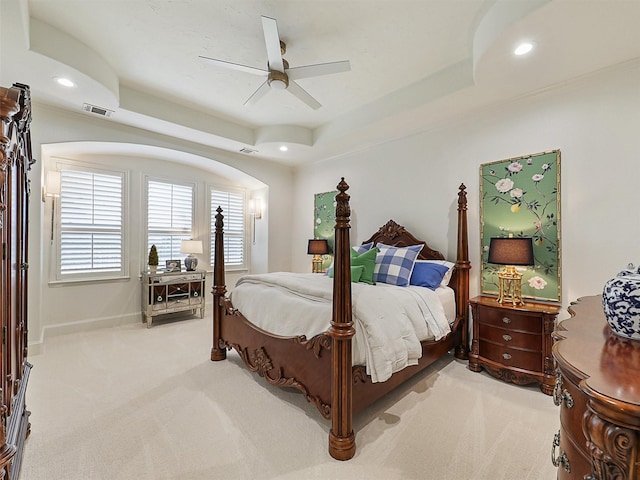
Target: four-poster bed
pixel 321 366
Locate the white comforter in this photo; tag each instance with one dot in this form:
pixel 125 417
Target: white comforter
pixel 390 321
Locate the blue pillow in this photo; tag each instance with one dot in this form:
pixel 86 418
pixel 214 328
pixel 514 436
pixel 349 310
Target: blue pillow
pixel 365 247
pixel 394 265
pixel 428 275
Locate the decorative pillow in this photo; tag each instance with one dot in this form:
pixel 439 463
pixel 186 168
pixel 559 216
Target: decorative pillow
pixel 360 249
pixel 447 275
pixel 395 264
pixel 427 274
pixel 365 247
pixel 368 261
pixel 356 273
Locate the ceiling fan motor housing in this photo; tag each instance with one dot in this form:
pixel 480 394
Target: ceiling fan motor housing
pixel 278 80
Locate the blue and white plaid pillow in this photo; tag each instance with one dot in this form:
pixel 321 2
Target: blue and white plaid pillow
pixel 395 264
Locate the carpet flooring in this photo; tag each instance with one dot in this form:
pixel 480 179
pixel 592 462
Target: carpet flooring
pixel 135 403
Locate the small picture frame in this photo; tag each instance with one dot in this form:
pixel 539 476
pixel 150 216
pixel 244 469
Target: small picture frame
pixel 173 266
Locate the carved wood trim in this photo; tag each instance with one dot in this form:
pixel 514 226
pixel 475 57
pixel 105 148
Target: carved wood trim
pixel 613 448
pixel 392 233
pixel 316 344
pixel 258 361
pixel 510 376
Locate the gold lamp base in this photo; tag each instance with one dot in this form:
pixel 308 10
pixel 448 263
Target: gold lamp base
pixel 316 264
pixel 510 286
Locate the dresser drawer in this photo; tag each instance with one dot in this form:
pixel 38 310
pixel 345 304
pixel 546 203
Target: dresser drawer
pixel 579 461
pixel 511 357
pixel 510 338
pixel 572 411
pixel 511 319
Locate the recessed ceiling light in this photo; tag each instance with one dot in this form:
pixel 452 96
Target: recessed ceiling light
pixel 523 48
pixel 284 148
pixel 65 82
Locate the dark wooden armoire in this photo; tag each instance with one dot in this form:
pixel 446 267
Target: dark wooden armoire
pixel 15 163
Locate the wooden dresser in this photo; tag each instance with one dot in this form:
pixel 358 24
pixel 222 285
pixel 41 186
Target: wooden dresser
pixel 15 188
pixel 598 390
pixel 513 343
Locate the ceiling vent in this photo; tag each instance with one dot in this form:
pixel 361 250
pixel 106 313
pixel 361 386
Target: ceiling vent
pixel 103 112
pixel 247 150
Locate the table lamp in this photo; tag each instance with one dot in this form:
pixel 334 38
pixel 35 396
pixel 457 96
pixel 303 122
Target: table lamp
pixel 511 251
pixel 316 248
pixel 191 247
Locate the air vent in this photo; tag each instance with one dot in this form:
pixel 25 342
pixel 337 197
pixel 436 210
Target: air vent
pixel 247 150
pixel 103 112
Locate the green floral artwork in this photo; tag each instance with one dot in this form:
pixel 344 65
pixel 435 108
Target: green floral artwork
pixel 521 197
pixel 324 222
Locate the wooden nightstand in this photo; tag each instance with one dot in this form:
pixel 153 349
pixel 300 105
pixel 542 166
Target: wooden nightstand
pixel 514 343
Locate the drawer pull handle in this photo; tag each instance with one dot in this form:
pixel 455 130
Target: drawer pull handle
pixel 506 356
pixel 561 395
pixel 506 320
pixel 562 459
pixel 195 294
pixel 159 298
pixel 507 338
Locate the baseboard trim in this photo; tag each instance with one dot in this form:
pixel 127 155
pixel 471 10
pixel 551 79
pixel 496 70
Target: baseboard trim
pixel 50 331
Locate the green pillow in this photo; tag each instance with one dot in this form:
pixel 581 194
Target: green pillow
pixel 356 273
pixel 366 260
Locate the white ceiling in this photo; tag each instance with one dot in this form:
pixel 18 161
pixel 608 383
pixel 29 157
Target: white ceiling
pixel 414 63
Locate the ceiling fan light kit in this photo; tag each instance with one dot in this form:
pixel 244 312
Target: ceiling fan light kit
pixel 279 76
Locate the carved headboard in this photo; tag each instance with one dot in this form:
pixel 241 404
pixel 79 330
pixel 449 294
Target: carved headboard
pixel 396 235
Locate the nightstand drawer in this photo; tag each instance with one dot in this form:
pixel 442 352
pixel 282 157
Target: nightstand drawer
pixel 510 338
pixel 511 357
pixel 179 288
pixel 511 319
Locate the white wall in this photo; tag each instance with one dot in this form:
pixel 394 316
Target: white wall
pixel 594 121
pixel 62 308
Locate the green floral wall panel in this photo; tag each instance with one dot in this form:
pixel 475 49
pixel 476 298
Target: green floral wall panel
pixel 521 196
pixel 325 221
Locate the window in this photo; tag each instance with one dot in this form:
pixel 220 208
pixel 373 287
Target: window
pixel 91 224
pixel 169 218
pixel 232 204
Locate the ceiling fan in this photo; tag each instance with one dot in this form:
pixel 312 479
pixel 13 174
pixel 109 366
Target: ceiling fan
pixel 278 74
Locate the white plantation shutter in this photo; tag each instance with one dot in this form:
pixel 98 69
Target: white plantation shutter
pixel 91 224
pixel 232 204
pixel 169 218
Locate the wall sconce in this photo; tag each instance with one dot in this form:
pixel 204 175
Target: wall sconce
pixel 255 207
pixel 51 188
pixel 511 252
pixel 317 247
pixel 191 247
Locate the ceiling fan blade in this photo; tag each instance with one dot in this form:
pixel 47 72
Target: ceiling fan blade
pixel 257 95
pixel 236 66
pixel 272 41
pixel 307 71
pixel 302 94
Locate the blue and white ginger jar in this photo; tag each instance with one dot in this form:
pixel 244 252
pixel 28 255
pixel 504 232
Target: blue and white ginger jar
pixel 621 302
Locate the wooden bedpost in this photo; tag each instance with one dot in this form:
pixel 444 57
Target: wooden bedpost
pixel 463 265
pixel 342 444
pixel 219 288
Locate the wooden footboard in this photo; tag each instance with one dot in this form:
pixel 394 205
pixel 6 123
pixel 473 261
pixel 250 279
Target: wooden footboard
pixel 321 367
